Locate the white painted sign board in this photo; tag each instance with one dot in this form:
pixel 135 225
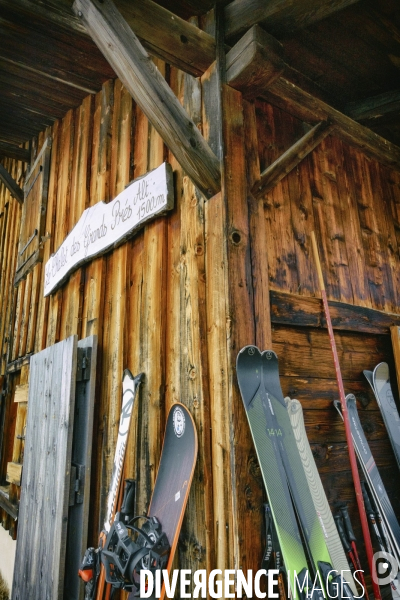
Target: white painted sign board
pixel 104 226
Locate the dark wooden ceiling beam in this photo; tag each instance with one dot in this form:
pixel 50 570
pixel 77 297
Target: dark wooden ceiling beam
pixel 169 37
pixel 278 15
pixel 163 33
pixel 374 107
pixel 285 94
pixel 15 152
pixel 134 67
pixel 11 184
pixel 291 158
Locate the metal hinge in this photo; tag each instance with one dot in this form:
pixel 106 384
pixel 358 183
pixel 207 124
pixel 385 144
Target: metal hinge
pixel 83 364
pixel 77 484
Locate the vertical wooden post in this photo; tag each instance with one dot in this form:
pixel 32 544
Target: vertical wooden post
pixel 237 492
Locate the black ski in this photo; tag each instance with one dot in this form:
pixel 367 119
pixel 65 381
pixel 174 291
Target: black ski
pixel 371 473
pixel 379 381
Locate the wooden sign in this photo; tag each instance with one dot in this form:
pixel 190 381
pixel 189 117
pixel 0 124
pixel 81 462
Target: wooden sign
pixel 104 226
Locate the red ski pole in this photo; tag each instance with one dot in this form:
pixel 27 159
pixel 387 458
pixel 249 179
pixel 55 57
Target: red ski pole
pixel 352 455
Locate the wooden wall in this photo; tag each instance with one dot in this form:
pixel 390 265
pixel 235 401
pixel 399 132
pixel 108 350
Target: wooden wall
pixel 185 293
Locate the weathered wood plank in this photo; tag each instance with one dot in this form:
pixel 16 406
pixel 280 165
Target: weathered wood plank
pixel 11 184
pixel 328 222
pixel 21 393
pixel 257 233
pixel 247 493
pixel 62 207
pixel 275 134
pixel 291 158
pixel 14 473
pixel 12 151
pixel 115 294
pixel 92 314
pixel 71 319
pixel 278 15
pixel 293 309
pixel 40 336
pixel 46 474
pixel 372 108
pixel 186 351
pixel 217 323
pixel 146 85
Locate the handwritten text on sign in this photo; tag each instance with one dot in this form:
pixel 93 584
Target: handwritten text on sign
pixel 104 226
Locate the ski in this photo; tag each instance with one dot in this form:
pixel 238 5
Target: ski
pixel 379 381
pixel 322 508
pixel 92 571
pixel 281 468
pixel 371 473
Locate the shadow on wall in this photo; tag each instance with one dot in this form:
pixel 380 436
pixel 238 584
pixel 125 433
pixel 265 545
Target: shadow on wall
pixel 7 553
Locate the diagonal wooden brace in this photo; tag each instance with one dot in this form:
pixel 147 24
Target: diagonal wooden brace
pixel 135 69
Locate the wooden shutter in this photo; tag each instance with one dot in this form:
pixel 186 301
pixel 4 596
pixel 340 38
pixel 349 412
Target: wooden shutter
pixel 33 218
pixel 45 514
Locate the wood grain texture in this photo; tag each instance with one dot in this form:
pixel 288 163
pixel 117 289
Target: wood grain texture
pixel 45 483
pixel 218 327
pixel 136 70
pixel 257 234
pixel 186 350
pixel 291 158
pixel 277 15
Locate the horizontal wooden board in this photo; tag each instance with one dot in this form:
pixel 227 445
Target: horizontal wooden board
pixel 293 309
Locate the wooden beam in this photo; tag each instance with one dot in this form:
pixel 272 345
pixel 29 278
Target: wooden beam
pixel 289 96
pixel 278 15
pixel 6 504
pixel 254 62
pixel 291 158
pixel 11 184
pixel 305 311
pixel 151 92
pixel 375 107
pixel 11 151
pixel 169 37
pixel 162 33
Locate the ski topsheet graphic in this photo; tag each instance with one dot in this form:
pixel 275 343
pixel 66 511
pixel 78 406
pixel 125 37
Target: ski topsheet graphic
pixel 335 547
pixel 92 570
pixel 282 469
pixel 130 385
pixel 379 381
pixel 372 474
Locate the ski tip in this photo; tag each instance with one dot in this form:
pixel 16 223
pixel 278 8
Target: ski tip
pixel 250 349
pixel 138 379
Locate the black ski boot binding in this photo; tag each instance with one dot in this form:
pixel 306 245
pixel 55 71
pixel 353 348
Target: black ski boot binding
pixel 125 555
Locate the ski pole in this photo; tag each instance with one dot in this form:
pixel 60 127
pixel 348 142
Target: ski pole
pixel 352 539
pixel 352 455
pixel 345 543
pixel 372 520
